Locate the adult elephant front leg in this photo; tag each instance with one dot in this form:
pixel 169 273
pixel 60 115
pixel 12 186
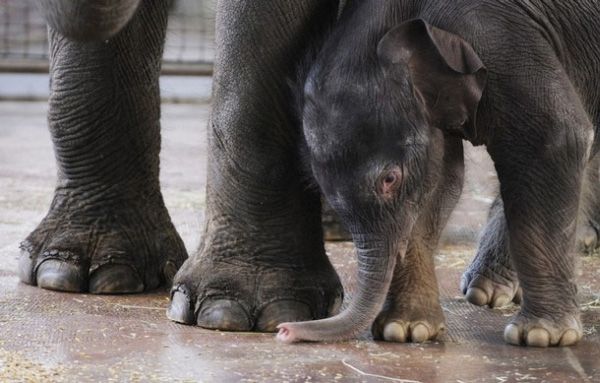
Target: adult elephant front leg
pixel 540 162
pixel 87 20
pixel 261 260
pixel 107 230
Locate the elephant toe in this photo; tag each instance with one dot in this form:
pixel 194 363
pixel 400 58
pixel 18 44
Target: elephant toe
pixel 225 315
pixel 537 332
pixel 420 333
pixel 26 268
pixel 53 274
pixel 115 279
pixel 476 296
pixel 282 311
pixel 395 332
pixel 180 310
pixel 569 338
pixel 538 337
pixel 481 290
pixel 512 334
pixel 416 332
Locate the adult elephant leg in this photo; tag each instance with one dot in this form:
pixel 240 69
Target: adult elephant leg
pixel 107 230
pixel 86 20
pixel 541 164
pixel 261 261
pixel 412 312
pixel 491 279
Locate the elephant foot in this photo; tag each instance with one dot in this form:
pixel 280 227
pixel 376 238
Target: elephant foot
pixel 588 237
pixel 234 295
pixel 538 332
pixel 128 247
pixel 491 281
pixel 414 322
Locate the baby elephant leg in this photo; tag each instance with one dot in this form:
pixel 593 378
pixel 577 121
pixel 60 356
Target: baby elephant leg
pixel 541 164
pixel 413 312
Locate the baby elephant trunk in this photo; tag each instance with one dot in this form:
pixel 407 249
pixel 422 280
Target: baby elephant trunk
pixel 376 262
pixel 88 20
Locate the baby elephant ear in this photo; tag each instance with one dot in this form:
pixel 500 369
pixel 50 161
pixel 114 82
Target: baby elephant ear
pixel 446 75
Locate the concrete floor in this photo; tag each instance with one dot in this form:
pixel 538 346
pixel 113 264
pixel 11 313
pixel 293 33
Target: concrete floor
pixel 48 336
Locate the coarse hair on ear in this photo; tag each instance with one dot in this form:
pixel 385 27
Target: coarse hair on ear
pixel 446 73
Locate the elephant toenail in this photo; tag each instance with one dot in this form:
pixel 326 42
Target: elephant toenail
pixel 500 301
pixel 394 332
pixel 538 337
pixel 419 333
pixel 512 334
pixel 477 296
pixel 225 315
pixel 53 274
pixel 26 271
pixel 280 312
pixel 115 279
pixel 569 338
pixel 180 310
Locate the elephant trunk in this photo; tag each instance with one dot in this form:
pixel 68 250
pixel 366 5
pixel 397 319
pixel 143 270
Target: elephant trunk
pixel 88 20
pixel 376 263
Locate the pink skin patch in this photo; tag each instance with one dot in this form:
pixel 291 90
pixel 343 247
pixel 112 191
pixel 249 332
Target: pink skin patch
pixel 286 333
pixel 389 182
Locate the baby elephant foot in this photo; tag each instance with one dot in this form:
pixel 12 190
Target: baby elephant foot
pixel 104 251
pixel 539 332
pixel 409 324
pixel 490 280
pixel 246 297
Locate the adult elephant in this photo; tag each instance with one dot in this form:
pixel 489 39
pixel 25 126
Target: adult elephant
pixel 262 260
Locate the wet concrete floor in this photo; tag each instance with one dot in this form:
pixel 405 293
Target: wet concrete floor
pixel 47 336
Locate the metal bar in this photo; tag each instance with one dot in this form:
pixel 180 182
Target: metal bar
pixel 168 68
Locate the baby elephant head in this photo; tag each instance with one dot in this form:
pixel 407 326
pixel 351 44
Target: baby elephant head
pixel 379 121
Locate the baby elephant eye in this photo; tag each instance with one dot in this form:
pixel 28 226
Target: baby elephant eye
pixel 389 182
pixel 390 178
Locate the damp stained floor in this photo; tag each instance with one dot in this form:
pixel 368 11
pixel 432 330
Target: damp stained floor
pixel 48 336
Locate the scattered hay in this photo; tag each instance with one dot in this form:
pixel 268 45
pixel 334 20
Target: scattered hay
pixel 14 367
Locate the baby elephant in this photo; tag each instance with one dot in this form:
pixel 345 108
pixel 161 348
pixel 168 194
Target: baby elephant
pixel 386 103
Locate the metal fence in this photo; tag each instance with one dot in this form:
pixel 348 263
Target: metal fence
pixel 189 48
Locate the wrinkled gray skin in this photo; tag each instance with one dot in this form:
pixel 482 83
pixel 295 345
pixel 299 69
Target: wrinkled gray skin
pixel 385 104
pixel 262 261
pixel 88 20
pixel 107 230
